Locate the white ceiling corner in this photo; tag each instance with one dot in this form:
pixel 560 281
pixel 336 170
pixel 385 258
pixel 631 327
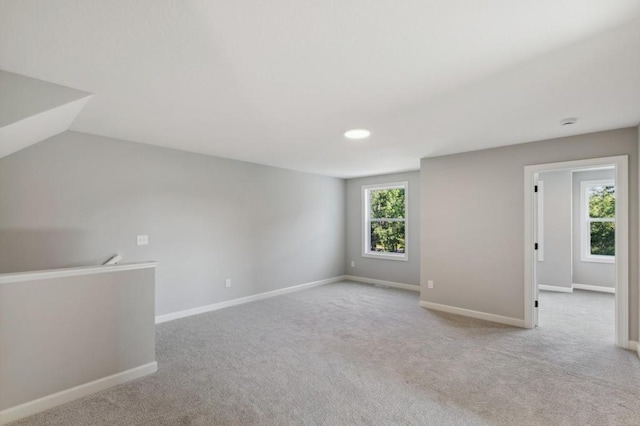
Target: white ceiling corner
pixel 31 130
pixel 33 110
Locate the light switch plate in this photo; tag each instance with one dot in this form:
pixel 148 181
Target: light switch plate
pixel 143 240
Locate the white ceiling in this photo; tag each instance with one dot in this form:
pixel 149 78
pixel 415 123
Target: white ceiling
pixel 278 82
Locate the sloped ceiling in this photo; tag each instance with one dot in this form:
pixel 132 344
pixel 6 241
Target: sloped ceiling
pixel 278 82
pixel 33 110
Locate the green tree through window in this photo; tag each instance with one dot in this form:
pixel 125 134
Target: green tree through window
pixel 601 220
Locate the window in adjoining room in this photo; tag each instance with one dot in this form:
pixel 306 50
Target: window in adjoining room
pixel 598 203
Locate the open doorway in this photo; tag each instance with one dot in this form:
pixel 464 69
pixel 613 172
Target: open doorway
pixel 575 260
pixel 576 247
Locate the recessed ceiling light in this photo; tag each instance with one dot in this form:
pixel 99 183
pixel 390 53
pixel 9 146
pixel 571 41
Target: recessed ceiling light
pixel 357 134
pixel 568 121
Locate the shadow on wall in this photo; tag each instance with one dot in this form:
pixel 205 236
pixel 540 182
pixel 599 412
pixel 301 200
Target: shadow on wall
pixel 31 249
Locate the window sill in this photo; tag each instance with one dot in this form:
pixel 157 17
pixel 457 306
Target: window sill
pixel 598 259
pixel 387 256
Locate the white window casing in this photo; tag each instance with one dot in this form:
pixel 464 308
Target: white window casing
pixel 368 220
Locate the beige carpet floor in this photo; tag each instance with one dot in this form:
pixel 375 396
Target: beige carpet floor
pixel 349 353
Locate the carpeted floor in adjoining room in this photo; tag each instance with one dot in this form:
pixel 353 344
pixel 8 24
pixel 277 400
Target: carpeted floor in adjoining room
pixel 348 353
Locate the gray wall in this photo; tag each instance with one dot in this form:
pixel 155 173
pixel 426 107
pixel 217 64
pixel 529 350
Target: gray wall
pixel 472 244
pixel 381 269
pixel 590 273
pixel 555 270
pixel 75 199
pixel 77 330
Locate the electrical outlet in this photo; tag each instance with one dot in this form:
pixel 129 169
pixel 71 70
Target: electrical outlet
pixel 429 284
pixel 143 240
pixel 353 264
pixel 227 282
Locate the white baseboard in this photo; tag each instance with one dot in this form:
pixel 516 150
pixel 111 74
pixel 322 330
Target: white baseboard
pixel 473 314
pixel 37 405
pixel 233 302
pixel 594 288
pixel 555 288
pixel 381 282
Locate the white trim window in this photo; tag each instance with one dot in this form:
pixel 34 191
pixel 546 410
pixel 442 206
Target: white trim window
pixel 598 221
pixel 386 223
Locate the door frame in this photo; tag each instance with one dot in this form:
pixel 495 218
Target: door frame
pixel 621 165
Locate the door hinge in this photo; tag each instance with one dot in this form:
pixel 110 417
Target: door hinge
pixel 535 188
pixel 536 304
pixel 535 246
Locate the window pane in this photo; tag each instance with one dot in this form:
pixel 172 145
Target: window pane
pixel 387 203
pixel 603 241
pixel 387 237
pixel 602 201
